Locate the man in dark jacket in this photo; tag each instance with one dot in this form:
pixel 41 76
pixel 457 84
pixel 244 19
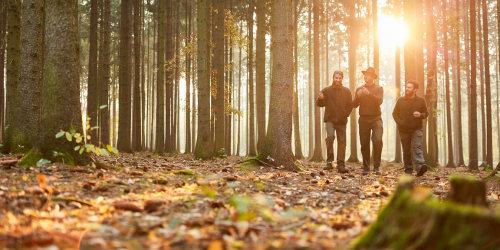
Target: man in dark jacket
pixel 337 101
pixel 368 98
pixel 408 113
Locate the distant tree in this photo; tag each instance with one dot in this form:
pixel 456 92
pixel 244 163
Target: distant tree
pixel 489 126
pixel 251 114
pixel 3 33
pixel 93 87
pixel 169 56
pixel 353 43
pixel 26 124
pixel 188 79
pixel 296 116
pixel 106 74
pixel 260 72
pixel 136 124
pixel 450 163
pixel 317 154
pixel 61 88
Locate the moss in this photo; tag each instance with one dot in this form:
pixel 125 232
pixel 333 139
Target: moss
pixel 102 164
pixel 184 172
pixel 415 219
pixel 34 155
pixel 251 163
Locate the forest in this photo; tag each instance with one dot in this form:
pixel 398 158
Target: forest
pixel 268 124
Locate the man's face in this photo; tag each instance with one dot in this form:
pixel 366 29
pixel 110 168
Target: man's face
pixel 337 79
pixel 368 77
pixel 410 89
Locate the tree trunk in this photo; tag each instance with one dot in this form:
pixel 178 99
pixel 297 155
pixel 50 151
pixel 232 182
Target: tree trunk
pixel 450 163
pixel 489 126
pixel 296 126
pixel 26 126
pixel 3 34
pixel 13 60
pixel 251 113
pixel 278 140
pixel 375 38
pixel 219 57
pixel 431 88
pixel 136 135
pixel 459 140
pixel 160 114
pixel 260 67
pixel 61 87
pixel 123 143
pixel 188 80
pixel 168 81
pixel 353 41
pixel 93 87
pixel 317 155
pixel 310 97
pixel 397 158
pixel 106 74
pixel 204 142
pixel 473 154
pixel 481 72
pixel 240 59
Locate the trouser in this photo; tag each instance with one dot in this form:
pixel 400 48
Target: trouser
pixel 412 143
pixel 371 127
pixel 331 128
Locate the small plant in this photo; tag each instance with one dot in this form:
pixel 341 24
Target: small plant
pixel 222 154
pixel 81 145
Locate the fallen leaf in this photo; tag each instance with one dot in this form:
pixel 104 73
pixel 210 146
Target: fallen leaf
pixel 127 206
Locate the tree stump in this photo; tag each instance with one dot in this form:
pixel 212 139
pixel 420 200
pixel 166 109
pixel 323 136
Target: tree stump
pixel 416 219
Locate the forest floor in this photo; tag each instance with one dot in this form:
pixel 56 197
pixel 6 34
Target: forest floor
pixel 142 201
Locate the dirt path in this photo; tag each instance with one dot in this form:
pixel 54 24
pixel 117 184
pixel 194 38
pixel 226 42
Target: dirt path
pixel 141 201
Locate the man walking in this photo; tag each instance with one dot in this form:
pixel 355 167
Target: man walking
pixel 408 114
pixel 368 98
pixel 337 101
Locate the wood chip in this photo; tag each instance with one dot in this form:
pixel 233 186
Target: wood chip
pixel 78 170
pixel 33 190
pixel 9 163
pixel 230 178
pixel 101 189
pixel 127 206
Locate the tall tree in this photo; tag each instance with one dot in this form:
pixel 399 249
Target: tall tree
pixel 458 90
pixel 124 125
pixel 278 139
pixel 220 113
pixel 260 72
pixel 251 113
pixel 13 59
pixel 106 74
pixel 188 79
pixel 353 43
pixel 489 126
pixel 3 33
pixel 168 42
pixel 92 86
pixel 317 154
pixel 61 88
pixel 375 37
pixel 450 163
pixel 160 114
pixel 136 124
pixel 204 142
pixel 481 78
pixel 431 88
pixel 473 154
pixel 310 83
pixel 296 115
pixel 26 127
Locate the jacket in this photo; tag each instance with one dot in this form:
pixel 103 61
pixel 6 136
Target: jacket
pixel 403 113
pixel 337 101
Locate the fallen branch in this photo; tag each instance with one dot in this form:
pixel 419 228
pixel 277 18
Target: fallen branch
pixel 68 199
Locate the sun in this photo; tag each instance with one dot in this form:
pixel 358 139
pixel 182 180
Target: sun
pixel 391 33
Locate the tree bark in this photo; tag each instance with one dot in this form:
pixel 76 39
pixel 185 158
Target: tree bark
pixel 3 34
pixel 106 74
pixel 160 114
pixel 93 86
pixel 124 125
pixel 431 88
pixel 481 77
pixel 61 87
pixel 220 113
pixel 204 141
pixel 278 145
pixel 188 79
pixel 473 154
pixel 260 67
pixel 310 97
pixel 296 116
pixel 489 126
pixel 27 121
pixel 136 133
pixel 251 113
pixel 317 154
pixel 459 140
pixel 168 81
pixel 353 41
pixel 451 163
pixel 13 60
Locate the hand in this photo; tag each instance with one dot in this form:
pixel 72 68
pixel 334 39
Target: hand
pixel 416 114
pixel 365 91
pixel 359 93
pixel 320 95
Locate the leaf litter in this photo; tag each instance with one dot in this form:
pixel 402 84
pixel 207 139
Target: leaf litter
pixel 141 201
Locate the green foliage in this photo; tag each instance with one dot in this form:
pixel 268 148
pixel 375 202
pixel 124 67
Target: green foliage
pixel 42 162
pixel 81 145
pixel 184 172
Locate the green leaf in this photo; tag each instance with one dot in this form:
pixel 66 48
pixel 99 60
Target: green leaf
pixel 88 118
pixel 103 106
pixel 77 148
pixel 79 139
pixel 81 150
pixel 104 152
pixel 110 149
pixel 115 151
pixel 95 127
pixel 60 134
pixel 241 203
pixel 69 137
pixel 42 162
pixel 72 130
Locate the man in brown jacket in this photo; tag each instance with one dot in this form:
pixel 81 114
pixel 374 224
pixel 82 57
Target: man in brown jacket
pixel 337 101
pixel 408 114
pixel 368 98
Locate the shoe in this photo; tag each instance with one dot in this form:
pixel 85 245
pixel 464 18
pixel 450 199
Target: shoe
pixel 341 169
pixel 328 166
pixel 366 172
pixel 377 171
pixel 422 170
pixel 409 171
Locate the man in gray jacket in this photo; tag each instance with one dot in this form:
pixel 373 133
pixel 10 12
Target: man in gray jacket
pixel 337 101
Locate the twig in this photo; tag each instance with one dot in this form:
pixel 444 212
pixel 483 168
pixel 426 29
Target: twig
pixel 72 199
